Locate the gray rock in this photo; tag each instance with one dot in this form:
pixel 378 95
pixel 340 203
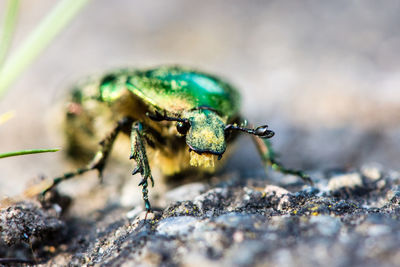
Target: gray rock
pixel 236 224
pixel 326 225
pixel 176 225
pixel 350 180
pixel 184 192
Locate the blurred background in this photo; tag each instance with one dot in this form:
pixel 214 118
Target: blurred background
pixel 324 75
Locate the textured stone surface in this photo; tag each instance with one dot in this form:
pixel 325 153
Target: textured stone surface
pixel 242 223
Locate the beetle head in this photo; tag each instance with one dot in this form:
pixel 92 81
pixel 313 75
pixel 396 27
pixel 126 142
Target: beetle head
pixel 205 136
pixel 205 133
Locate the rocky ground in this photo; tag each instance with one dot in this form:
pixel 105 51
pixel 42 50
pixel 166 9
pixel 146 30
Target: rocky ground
pixel 344 219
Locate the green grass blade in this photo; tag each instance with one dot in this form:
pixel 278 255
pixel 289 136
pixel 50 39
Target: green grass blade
pixel 8 28
pixel 27 152
pixel 48 28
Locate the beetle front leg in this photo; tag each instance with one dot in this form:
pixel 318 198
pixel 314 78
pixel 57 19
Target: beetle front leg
pixel 99 160
pixel 138 153
pixel 268 157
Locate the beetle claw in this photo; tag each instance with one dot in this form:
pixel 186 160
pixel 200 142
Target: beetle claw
pixel 136 170
pixel 142 182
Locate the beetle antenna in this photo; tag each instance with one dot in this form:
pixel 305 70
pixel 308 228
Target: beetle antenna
pixel 157 116
pixel 260 131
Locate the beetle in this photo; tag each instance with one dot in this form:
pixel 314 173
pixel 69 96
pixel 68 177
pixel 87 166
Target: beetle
pixel 186 116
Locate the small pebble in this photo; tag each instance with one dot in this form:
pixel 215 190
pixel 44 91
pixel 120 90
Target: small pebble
pixel 372 172
pixel 350 180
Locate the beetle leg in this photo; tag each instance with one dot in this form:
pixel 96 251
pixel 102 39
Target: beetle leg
pixel 98 162
pixel 268 157
pixel 138 153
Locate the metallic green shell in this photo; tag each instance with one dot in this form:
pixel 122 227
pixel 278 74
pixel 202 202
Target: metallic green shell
pixel 173 89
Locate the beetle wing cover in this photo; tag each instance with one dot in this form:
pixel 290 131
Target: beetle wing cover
pixel 177 89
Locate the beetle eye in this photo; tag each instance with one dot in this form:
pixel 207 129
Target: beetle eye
pixel 182 127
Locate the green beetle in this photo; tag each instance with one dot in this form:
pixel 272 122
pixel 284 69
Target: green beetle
pixel 185 117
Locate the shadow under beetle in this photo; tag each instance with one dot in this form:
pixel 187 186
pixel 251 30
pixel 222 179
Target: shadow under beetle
pixel 184 116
